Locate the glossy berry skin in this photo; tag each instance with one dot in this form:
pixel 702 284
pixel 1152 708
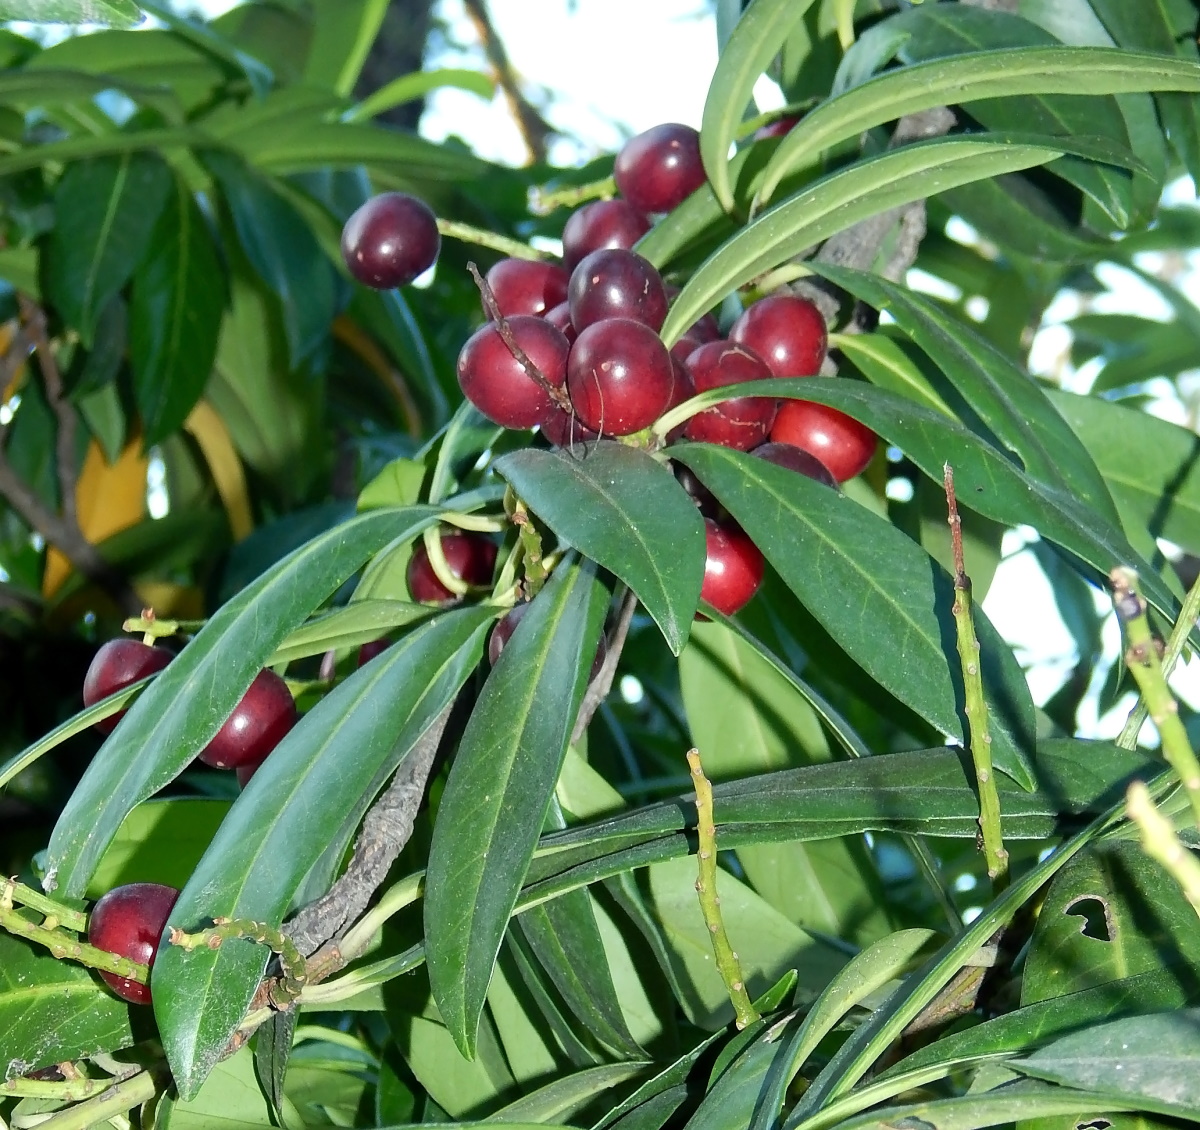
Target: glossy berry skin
pixel 505 627
pixel 527 286
pixel 564 430
pixel 839 441
pixel 733 569
pixel 798 460
pixel 601 224
pixel 788 333
pixel 390 240
pixel 619 377
pixel 117 664
pixel 742 423
pixel 560 318
pixel 496 382
pixel 660 168
pixel 470 556
pixel 256 726
pixel 129 921
pixel 616 284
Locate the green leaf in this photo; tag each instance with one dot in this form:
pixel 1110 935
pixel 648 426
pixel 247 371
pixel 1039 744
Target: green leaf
pixel 53 1010
pixel 1009 405
pixel 355 624
pixel 1091 930
pixel 841 199
pixel 177 301
pixel 190 700
pixel 1153 1061
pixel 737 1095
pixel 106 209
pixel 343 34
pixel 282 249
pixel 334 760
pixel 232 1100
pixel 966 78
pixel 760 33
pixel 624 510
pixel 408 88
pixel 566 1095
pixel 884 362
pixel 115 13
pixel 881 596
pixel 1150 465
pixel 499 788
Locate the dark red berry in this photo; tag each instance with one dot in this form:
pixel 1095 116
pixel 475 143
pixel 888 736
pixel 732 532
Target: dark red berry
pixel 496 382
pixel 788 333
pixel 390 240
pixel 368 651
pixel 527 286
pixel 471 557
pixel 685 347
pixel 742 423
pixel 616 284
pixel 564 430
pixel 117 664
pixel 601 224
pixel 560 318
pixel 129 922
pixel 619 377
pixel 796 459
pixel 733 569
pixel 704 329
pixel 683 388
pixel 781 127
pixel 256 726
pixel 704 499
pixel 660 168
pixel 839 441
pixel 504 629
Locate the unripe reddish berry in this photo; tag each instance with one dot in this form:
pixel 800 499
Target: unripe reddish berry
pixel 117 664
pixel 257 725
pixel 788 333
pixel 741 423
pixel 733 567
pixel 839 441
pixel 129 922
pixel 470 557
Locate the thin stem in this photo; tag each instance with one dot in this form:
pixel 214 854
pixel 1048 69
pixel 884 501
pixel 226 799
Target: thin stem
pixel 1142 659
pixel 710 904
pixel 71 1090
pixel 395 899
pixel 542 202
pixel 438 563
pixel 1160 842
pixel 293 973
pixel 532 555
pixel 66 946
pixel 466 233
pixel 13 892
pixel 979 739
pixel 125 1095
pixel 482 523
pixel 1188 615
pixel 151 628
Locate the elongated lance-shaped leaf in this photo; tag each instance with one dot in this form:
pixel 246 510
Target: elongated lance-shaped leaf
pixel 188 703
pixel 115 13
pixel 756 40
pixel 333 761
pixel 500 787
pixel 837 201
pixel 624 510
pixel 966 78
pixel 878 593
pixel 1017 412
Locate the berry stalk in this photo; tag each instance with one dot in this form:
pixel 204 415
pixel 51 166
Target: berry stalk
pixel 293 971
pixel 65 946
pixel 13 892
pixel 466 233
pixel 1160 842
pixel 1142 659
pixel 710 905
pixel 978 739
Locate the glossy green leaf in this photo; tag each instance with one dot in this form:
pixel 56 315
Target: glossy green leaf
pixel 499 788
pixel 1011 406
pixel 567 1094
pixel 190 700
pixel 1151 1060
pixel 738 1094
pixel 661 1084
pixel 53 1010
pixel 967 78
pixel 282 249
pixel 1091 929
pixel 334 760
pixel 624 510
pixel 357 623
pixel 106 210
pixel 843 198
pixel 884 362
pixel 342 37
pixel 1151 466
pixel 880 595
pixel 233 1100
pixel 756 40
pixel 115 13
pixel 177 301
pixel 408 88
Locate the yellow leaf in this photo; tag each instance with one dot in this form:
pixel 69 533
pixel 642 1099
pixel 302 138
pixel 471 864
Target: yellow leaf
pixel 108 499
pixel 209 431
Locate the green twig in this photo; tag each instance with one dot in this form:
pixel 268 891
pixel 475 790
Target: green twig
pixel 1188 615
pixel 531 543
pixel 543 202
pixel 66 946
pixel 64 1090
pixel 710 905
pixel 438 563
pixel 131 1092
pixel 465 233
pixel 1160 842
pixel 13 892
pixel 152 628
pixel 978 739
pixel 293 972
pixel 1142 659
